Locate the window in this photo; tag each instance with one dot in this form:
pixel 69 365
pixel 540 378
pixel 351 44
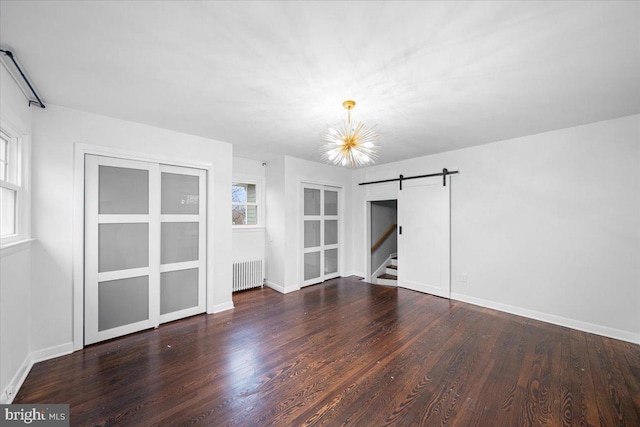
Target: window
pixel 244 204
pixel 10 189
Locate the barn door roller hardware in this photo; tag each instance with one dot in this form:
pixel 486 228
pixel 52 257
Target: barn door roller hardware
pixel 12 71
pixel 401 178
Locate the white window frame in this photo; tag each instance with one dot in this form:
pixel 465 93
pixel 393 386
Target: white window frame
pixel 259 183
pixel 18 181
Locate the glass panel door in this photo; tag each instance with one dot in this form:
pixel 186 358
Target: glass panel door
pixel 182 242
pixel 320 233
pixel 145 245
pixel 119 249
pixel 331 232
pixel 312 234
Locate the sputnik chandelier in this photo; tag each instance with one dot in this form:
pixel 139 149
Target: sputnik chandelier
pixel 350 145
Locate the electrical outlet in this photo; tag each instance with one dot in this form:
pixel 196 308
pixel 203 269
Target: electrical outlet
pixel 463 278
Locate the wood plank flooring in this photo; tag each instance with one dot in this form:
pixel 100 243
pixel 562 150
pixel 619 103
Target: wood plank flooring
pixel 347 353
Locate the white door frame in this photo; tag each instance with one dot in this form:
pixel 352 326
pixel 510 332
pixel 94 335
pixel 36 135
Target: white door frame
pixel 390 191
pixel 80 151
pixel 367 228
pixel 368 277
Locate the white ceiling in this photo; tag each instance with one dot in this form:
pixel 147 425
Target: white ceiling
pixel 269 77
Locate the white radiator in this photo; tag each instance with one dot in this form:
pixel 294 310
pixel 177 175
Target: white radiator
pixel 247 274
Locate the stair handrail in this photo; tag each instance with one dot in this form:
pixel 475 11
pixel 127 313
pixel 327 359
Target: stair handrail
pixel 384 237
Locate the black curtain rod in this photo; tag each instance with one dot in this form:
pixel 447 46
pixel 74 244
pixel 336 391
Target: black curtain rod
pixel 10 55
pixel 401 178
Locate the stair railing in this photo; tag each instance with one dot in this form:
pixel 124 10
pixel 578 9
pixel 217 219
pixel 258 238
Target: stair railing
pixel 384 237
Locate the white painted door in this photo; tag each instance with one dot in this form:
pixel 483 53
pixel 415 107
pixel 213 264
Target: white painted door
pixel 320 233
pixel 144 245
pixel 121 249
pixel 183 226
pixel 424 245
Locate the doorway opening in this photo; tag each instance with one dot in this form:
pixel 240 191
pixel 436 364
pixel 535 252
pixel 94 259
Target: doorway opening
pixel 383 231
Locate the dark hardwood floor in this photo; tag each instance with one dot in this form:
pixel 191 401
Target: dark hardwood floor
pixel 347 353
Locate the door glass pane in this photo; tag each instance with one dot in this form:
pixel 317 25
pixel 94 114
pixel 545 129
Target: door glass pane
pixel 331 232
pixel 311 234
pixel 123 190
pixel 330 202
pixel 7 212
pixel 330 261
pixel 311 265
pixel 178 290
pixel 311 201
pixel 123 246
pixel 121 302
pixel 180 194
pixel 179 242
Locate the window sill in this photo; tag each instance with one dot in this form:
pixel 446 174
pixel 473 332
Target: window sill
pixel 15 247
pixel 247 228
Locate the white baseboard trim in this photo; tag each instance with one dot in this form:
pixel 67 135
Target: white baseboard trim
pixel 275 286
pixel 16 382
pixel 34 357
pixel 51 352
pixel 353 273
pixel 591 328
pixel 223 307
pixel 282 289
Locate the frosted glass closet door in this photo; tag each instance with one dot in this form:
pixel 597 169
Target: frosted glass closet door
pixel 145 245
pixel 182 242
pixel 320 233
pixel 331 242
pixel 312 234
pixel 120 247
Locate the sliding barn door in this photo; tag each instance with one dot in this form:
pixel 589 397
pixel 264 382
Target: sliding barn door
pixel 320 221
pixel 144 245
pixel 424 245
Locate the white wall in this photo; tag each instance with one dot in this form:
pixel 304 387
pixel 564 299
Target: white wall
pixel 275 222
pixel 546 226
pixel 248 167
pixel 249 241
pixel 15 261
pixel 15 321
pixel 55 131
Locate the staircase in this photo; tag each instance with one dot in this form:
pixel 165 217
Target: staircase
pixel 390 276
